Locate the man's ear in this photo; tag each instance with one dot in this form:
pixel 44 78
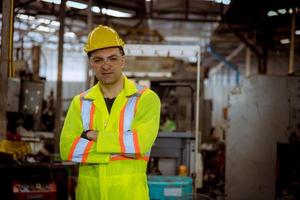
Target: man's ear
pixel 123 62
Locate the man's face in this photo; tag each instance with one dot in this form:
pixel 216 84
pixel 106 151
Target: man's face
pixel 107 65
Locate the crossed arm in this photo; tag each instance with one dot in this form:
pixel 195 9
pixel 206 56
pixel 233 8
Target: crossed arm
pixel 97 147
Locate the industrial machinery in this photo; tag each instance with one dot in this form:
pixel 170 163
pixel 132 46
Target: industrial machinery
pixel 178 145
pixel 172 150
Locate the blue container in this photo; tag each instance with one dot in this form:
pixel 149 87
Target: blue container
pixel 169 187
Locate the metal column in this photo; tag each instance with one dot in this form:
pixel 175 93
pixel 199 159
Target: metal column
pixel 6 60
pixel 89 79
pixel 199 118
pixel 58 106
pixel 292 45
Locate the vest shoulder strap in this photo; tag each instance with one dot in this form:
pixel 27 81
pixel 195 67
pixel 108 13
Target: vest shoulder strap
pixel 140 89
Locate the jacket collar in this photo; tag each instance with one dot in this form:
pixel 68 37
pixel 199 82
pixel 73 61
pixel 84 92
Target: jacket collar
pixel 95 91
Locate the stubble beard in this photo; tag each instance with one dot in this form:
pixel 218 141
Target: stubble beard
pixel 110 80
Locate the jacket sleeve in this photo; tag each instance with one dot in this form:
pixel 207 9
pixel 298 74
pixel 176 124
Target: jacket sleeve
pixel 144 129
pixel 72 146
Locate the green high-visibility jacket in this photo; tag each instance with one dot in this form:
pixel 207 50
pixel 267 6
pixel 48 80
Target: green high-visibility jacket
pixel 114 167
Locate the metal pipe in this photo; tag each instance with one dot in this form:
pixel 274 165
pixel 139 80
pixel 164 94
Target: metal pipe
pixel 248 62
pixel 226 63
pixel 261 56
pixel 197 99
pixel 36 54
pixel 11 43
pixel 89 80
pixel 229 57
pixel 197 135
pixel 292 44
pixel 58 107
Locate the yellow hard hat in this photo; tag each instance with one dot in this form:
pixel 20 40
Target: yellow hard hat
pixel 103 37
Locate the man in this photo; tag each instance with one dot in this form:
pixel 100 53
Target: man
pixel 110 128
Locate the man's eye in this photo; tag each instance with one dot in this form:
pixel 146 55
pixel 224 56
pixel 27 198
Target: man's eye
pixel 114 58
pixel 98 60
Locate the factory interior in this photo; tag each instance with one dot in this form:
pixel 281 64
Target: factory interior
pixel 227 73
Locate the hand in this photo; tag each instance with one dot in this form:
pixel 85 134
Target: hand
pixel 92 135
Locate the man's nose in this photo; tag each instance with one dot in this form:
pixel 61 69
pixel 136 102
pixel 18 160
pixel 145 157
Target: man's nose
pixel 106 65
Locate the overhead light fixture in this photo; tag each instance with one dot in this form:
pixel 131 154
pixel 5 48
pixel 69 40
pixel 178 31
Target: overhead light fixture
pixel 95 9
pixel 226 2
pixel 55 23
pixel 285 41
pixel 72 4
pixel 282 11
pixel 115 13
pixel 291 11
pixel 25 17
pixel 70 34
pixel 45 29
pixel 53 1
pixel 44 21
pixel 272 13
pixel 161 50
pixel 182 39
pixel 297 32
pixel 77 5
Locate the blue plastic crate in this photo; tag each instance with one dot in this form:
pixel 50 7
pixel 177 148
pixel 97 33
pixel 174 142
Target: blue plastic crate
pixel 169 187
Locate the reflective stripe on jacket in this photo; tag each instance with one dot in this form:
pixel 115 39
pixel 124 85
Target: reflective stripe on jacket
pixel 116 162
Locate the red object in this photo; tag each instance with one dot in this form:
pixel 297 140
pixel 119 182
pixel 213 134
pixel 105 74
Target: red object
pixel 34 191
pixel 13 136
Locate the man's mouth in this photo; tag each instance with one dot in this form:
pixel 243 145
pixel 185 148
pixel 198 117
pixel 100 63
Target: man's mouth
pixel 107 73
